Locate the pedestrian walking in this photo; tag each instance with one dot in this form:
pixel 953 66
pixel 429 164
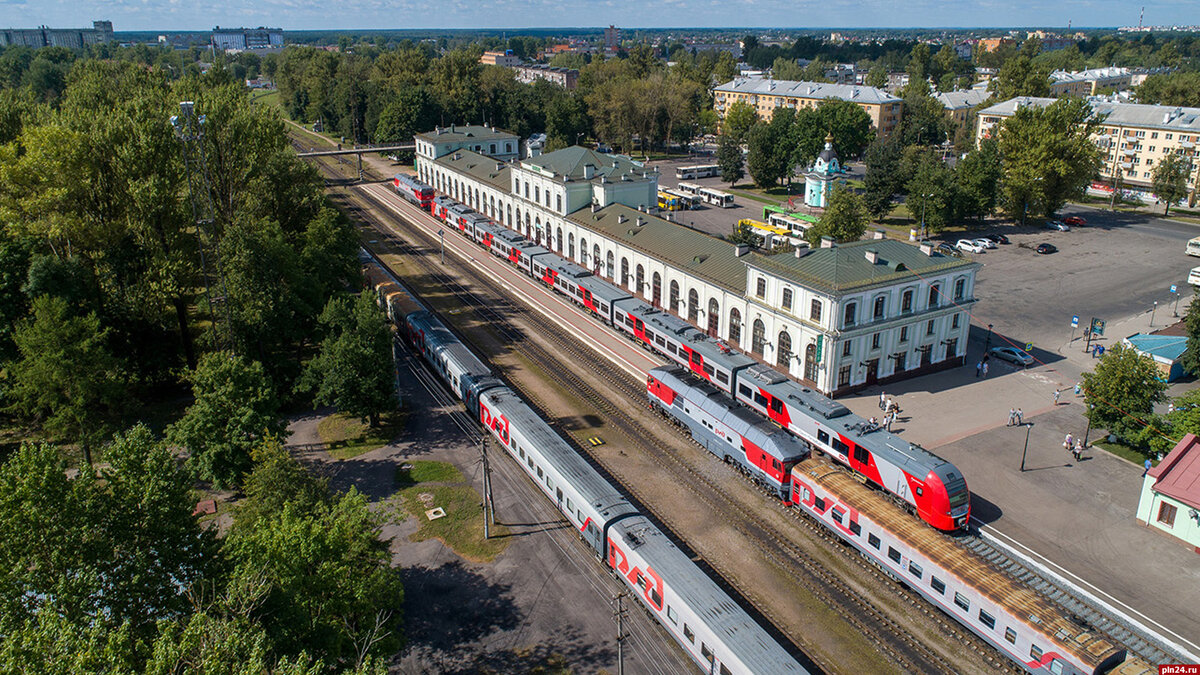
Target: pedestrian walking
pixel 1012 417
pixel 1057 394
pixel 985 369
pixel 892 406
pixel 882 400
pixel 1020 417
pixel 1078 451
pixel 1170 408
pixel 978 368
pixel 1078 389
pixel 1068 443
pixel 1147 469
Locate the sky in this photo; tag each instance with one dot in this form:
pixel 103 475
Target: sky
pixel 167 15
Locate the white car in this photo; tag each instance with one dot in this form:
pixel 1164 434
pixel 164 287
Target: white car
pixel 1058 225
pixel 968 245
pixel 986 243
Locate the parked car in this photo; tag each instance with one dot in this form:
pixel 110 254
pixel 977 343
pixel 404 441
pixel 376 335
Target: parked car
pixel 1045 249
pixel 1057 225
pixel 968 245
pixel 1012 355
pixel 985 242
pixel 947 249
pixel 1074 220
pixel 996 238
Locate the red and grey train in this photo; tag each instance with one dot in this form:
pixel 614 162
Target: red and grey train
pixel 716 633
pixel 933 488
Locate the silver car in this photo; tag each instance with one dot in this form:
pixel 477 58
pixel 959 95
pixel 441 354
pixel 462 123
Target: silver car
pixel 1012 355
pixel 1057 225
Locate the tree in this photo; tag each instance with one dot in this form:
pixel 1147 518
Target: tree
pixel 412 111
pixel 769 155
pixel 877 77
pixel 1178 88
pixel 925 121
pixel 729 158
pixel 883 178
pixel 1122 391
pixel 1020 76
pixel 354 369
pixel 1048 156
pixel 66 379
pixel 931 193
pixel 918 63
pixel 739 119
pixel 276 480
pixel 1191 354
pixel 234 411
pixel 845 218
pixel 977 178
pixel 1169 180
pixel 1163 432
pixel 788 69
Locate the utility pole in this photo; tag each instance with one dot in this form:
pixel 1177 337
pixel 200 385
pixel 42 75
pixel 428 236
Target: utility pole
pixel 489 509
pixel 1028 426
pixel 620 615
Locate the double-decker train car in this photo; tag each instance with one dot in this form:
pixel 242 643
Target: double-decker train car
pixel 413 190
pixel 760 449
pixel 716 633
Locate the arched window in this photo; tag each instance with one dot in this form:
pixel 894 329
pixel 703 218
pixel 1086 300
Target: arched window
pixel 714 317
pixel 934 292
pixel 571 245
pixel 693 306
pixel 735 327
pixel 610 266
pixel 850 313
pixel 906 302
pixel 810 362
pixel 656 291
pixel 537 230
pixel 625 271
pixel 558 245
pixel 758 338
pixel 516 225
pixel 783 355
pixel 527 228
pixel 674 297
pixel 508 221
pixel 640 280
pixel 880 306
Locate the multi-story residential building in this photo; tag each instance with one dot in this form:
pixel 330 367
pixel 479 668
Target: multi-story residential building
pixel 1051 41
pixel 1089 82
pixel 74 38
pixel 960 104
pixel 566 78
pixel 765 96
pixel 484 140
pixel 612 39
pixel 839 318
pixel 247 38
pixel 505 58
pixel 993 43
pixel 1133 136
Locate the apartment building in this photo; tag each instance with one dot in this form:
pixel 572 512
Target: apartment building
pixel 766 96
pixel 567 78
pixel 237 39
pixel 1134 136
pixel 505 58
pixel 960 104
pixel 1086 83
pixel 74 38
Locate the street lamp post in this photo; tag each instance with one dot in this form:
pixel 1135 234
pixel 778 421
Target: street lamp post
pixel 1152 311
pixel 987 341
pixel 442 244
pixel 1028 426
pixel 1089 425
pixel 924 199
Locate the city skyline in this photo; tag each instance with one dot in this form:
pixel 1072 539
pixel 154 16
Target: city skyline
pixel 168 15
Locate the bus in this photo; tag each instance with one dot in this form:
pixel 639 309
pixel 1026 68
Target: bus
pixel 771 235
pixel 686 199
pixel 690 188
pixel 1193 247
pixel 697 171
pixel 669 202
pixel 796 222
pixel 716 198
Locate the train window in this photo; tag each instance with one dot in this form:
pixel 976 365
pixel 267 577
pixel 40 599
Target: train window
pixel 671 614
pixel 724 670
pixel 838 515
pixel 840 446
pixel 1056 667
pixel 569 508
pixel 1010 635
pixel 760 399
pixel 1035 653
pixel 722 377
pixel 819 504
pixel 894 554
pixel 855 527
pixel 687 633
pixel 860 454
pixel 823 436
pixel 539 471
pixel 658 340
pixel 744 391
pixel 937 585
pixel 520 451
pixel 706 652
pixel 530 461
pixel 671 348
pixel 873 541
pixel 776 465
pixel 629 321
pixel 961 600
pixel 804 494
pixel 655 597
pixel 620 316
pixel 709 369
pixel 776 405
pixel 914 569
pixel 987 619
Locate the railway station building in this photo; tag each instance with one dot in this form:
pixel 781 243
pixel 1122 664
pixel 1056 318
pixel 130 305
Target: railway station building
pixel 838 318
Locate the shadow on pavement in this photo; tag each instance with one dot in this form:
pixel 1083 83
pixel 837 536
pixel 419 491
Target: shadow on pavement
pixel 984 511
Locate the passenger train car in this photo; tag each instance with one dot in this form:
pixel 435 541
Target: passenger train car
pixel 932 487
pixel 717 634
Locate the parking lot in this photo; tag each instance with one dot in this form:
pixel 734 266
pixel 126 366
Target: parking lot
pixel 712 220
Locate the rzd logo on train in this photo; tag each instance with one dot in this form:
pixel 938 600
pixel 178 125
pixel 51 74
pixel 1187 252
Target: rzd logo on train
pixel 498 425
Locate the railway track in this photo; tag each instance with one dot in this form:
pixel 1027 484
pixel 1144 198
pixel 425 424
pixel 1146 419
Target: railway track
pixel 890 637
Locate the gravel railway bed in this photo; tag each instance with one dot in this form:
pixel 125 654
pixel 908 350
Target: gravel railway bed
pixel 890 637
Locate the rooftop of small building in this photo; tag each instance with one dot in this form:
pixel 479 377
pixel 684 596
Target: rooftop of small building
pixel 570 163
pixel 469 132
pixel 1178 474
pixel 817 90
pixel 1168 117
pixel 681 247
pixel 957 100
pixel 845 268
pixel 1090 74
pixel 492 171
pixel 1169 347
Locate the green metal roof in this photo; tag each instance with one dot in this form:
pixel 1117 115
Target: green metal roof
pixel 679 246
pixel 570 161
pixel 485 169
pixel 844 268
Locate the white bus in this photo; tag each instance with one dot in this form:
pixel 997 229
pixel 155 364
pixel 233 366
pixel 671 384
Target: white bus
pixel 690 188
pixel 697 171
pixel 1193 247
pixel 688 199
pixel 717 198
pixel 789 222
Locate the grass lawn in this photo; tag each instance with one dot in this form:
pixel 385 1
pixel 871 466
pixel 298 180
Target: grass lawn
pixel 349 437
pixel 269 98
pixel 1124 451
pixel 441 485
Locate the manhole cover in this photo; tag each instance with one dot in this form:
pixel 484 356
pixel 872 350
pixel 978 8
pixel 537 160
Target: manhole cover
pixel 435 513
pixel 426 498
